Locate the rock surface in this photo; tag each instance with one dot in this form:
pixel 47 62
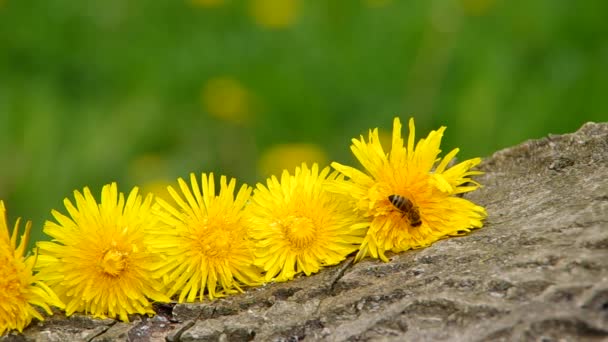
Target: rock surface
pixel 537 271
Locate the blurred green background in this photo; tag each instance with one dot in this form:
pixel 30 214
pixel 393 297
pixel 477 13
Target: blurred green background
pixel 143 92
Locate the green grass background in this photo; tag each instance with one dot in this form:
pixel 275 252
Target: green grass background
pixel 94 92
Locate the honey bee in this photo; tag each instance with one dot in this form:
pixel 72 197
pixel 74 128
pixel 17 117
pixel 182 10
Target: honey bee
pixel 408 209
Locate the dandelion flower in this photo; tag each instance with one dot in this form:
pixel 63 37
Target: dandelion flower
pixel 19 288
pixel 99 261
pixel 299 226
pixel 205 240
pixel 408 196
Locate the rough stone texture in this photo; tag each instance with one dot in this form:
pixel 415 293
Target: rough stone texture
pixel 537 271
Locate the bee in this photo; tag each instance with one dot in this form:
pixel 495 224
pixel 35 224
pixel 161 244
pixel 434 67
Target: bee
pixel 404 205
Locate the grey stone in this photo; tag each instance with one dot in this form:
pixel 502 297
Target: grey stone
pixel 204 330
pixel 176 334
pixel 117 332
pixel 59 328
pixel 64 333
pixel 152 329
pixel 537 271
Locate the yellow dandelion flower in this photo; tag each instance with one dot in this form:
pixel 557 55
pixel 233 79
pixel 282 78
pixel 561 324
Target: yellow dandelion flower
pixel 99 261
pixel 299 226
pixel 19 288
pixel 205 240
pixel 408 195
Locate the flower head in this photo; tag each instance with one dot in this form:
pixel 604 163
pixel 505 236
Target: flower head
pixel 99 261
pixel 19 288
pixel 299 226
pixel 205 240
pixel 407 196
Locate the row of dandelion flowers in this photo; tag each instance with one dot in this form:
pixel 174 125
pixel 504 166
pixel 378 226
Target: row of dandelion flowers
pixel 117 256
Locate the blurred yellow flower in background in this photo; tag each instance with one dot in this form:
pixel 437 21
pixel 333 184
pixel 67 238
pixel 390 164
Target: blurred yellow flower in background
pixel 477 7
pixel 227 99
pixel 147 165
pixel 385 137
pixel 99 261
pixel 159 189
pixel 274 14
pixel 19 288
pixel 207 3
pixel 287 156
pixel 151 171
